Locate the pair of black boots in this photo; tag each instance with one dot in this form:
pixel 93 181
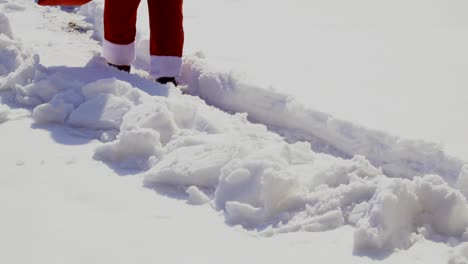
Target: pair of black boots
pixel 161 80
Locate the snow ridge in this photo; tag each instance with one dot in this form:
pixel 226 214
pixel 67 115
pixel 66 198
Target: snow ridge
pixel 397 157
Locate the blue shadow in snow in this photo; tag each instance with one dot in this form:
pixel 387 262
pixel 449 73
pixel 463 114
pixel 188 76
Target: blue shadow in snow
pixel 90 74
pixel 62 134
pixel 82 76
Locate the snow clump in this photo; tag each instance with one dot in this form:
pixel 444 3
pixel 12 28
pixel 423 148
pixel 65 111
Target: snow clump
pixel 134 149
pixel 400 206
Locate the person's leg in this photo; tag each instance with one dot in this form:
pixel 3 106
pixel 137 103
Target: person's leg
pixel 119 32
pixel 167 37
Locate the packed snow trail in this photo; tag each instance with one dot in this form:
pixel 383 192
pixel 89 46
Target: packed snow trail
pixel 256 178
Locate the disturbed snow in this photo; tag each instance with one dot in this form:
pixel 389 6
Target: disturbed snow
pixel 393 191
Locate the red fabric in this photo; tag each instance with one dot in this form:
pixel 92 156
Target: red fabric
pixel 63 2
pixel 166 24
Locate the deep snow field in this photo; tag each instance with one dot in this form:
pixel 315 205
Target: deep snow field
pixel 101 166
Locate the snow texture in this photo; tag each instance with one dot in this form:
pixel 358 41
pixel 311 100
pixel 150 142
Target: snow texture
pixel 5 27
pixel 397 157
pixel 196 196
pixel 4 113
pixel 393 191
pixel 400 206
pixel 462 183
pixel 459 254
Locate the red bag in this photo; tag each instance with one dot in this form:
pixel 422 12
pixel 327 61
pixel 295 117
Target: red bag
pixel 63 2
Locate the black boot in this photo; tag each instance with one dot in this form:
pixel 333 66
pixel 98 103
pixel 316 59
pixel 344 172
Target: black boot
pixel 125 68
pixel 164 80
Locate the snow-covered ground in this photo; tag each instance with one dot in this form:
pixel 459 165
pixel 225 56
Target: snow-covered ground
pixel 388 65
pixel 100 166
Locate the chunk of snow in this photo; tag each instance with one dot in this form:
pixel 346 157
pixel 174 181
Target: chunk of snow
pixel 55 112
pixel 5 27
pixel 198 165
pixel 196 196
pixel 391 219
pixel 102 112
pixel 154 115
pixel 399 207
pixel 134 149
pixel 4 113
pixel 111 86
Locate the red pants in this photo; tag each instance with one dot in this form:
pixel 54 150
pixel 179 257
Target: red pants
pixel 166 34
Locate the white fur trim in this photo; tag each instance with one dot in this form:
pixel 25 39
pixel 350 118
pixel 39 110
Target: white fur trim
pixel 118 54
pixel 165 66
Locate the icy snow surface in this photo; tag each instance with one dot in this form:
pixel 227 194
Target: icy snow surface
pixel 220 146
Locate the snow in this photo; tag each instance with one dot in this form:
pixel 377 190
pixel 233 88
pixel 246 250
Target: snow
pixel 400 206
pixel 398 157
pixel 273 178
pixel 459 255
pixel 383 64
pixel 462 183
pixel 196 196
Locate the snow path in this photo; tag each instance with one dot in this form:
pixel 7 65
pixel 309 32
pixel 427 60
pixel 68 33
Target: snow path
pixel 185 149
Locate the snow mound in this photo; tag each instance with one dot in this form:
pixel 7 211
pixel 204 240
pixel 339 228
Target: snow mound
pixel 400 206
pixel 258 179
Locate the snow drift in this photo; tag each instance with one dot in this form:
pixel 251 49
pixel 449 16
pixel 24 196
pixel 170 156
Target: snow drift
pixel 393 191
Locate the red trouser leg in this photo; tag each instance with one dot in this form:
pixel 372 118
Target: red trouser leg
pixel 166 24
pixel 166 40
pixel 120 31
pixel 167 37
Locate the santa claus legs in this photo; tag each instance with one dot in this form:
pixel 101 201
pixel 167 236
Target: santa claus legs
pixel 166 35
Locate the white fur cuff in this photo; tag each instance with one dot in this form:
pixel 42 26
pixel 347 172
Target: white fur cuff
pixel 118 54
